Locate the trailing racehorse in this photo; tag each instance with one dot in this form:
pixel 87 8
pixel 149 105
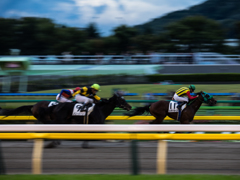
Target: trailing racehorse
pixel 162 108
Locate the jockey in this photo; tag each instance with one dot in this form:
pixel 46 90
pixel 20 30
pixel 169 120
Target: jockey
pixel 180 95
pixel 66 94
pixel 86 94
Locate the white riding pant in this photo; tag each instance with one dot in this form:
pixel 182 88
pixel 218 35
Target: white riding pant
pixel 62 99
pixel 180 99
pixel 83 99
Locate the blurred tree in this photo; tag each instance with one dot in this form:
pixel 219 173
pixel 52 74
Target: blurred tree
pixel 92 31
pixel 94 46
pixel 69 39
pixel 35 35
pixel 196 33
pixel 111 43
pixel 147 30
pixel 124 35
pixel 7 35
pixel 144 43
pixel 163 43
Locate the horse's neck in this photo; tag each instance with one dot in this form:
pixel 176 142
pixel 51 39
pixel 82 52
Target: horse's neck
pixel 107 109
pixel 196 104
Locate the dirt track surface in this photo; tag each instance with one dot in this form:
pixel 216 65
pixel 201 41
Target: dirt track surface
pixel 115 157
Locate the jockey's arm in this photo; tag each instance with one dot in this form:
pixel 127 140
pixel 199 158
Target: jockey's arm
pixel 62 91
pixel 190 97
pixel 97 97
pixel 77 92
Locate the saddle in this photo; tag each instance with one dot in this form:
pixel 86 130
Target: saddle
pixel 173 108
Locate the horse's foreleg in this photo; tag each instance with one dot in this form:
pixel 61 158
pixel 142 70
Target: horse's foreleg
pixel 85 145
pixel 158 120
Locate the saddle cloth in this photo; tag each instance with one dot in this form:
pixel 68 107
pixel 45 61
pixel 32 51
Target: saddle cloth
pixel 173 107
pixel 52 103
pixel 77 112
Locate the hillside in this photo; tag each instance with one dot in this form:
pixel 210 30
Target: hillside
pixel 225 12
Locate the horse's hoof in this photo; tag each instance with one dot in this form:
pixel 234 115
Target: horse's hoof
pixel 51 145
pixel 85 145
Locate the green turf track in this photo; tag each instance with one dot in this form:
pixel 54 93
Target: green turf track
pixel 118 177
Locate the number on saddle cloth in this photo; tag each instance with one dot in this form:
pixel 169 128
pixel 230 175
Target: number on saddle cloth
pixel 173 106
pixel 78 112
pixel 52 103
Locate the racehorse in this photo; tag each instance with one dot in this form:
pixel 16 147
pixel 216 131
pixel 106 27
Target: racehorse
pixel 62 113
pixel 160 109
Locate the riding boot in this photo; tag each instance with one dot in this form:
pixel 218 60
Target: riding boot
pixel 180 105
pixel 83 106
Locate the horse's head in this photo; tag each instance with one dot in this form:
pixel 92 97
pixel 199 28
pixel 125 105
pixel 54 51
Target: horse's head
pixel 121 102
pixel 207 98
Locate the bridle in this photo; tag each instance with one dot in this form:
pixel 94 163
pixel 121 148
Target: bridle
pixel 119 99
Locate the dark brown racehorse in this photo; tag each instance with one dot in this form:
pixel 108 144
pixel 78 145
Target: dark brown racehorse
pixel 62 113
pixel 160 109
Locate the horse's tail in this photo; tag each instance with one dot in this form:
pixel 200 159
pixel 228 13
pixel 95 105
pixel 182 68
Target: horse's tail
pixel 138 111
pixel 19 110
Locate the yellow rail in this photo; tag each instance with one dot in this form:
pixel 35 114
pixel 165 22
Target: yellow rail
pixel 149 118
pixel 123 136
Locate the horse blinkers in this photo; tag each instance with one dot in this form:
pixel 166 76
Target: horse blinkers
pixel 208 99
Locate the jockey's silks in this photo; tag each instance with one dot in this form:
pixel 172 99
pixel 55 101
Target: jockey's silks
pixel 87 91
pixel 66 93
pixel 182 91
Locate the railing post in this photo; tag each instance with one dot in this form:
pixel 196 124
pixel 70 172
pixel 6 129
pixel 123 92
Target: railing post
pixel 161 157
pixel 134 153
pixel 37 156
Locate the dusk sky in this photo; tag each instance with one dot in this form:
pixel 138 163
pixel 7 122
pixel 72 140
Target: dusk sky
pixel 107 14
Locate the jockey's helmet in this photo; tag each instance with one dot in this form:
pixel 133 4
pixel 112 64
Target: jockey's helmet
pixel 192 87
pixel 77 88
pixel 96 87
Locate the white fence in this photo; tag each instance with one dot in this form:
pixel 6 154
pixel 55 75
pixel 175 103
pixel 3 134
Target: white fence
pixel 155 58
pixel 119 128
